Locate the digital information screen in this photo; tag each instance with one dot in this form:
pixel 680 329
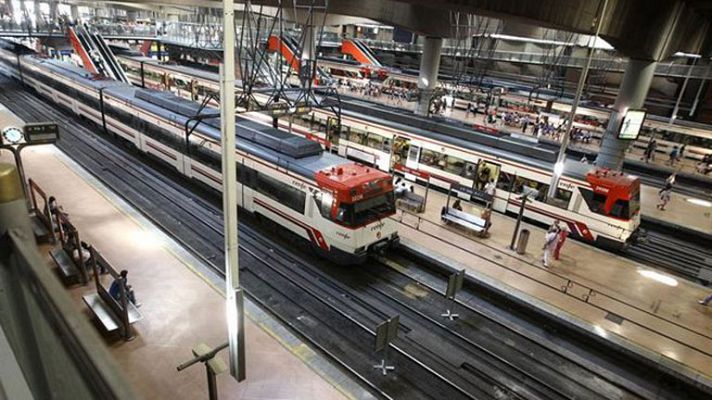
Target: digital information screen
pixel 44 132
pixel 632 122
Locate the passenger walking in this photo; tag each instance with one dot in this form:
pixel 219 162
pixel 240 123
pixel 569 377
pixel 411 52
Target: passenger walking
pixel 673 155
pixel 670 181
pixel 681 152
pixel 665 194
pixel 706 300
pixel 550 241
pixel 115 289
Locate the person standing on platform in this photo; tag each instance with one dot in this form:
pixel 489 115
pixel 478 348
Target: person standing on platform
pixel 563 234
pixel 681 152
pixel 706 301
pixel 490 190
pixel 550 241
pixel 665 194
pixel 649 153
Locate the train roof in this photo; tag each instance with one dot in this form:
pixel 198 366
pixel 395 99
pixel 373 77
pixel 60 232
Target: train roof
pixel 293 153
pixel 463 137
pixel 190 71
pixel 502 147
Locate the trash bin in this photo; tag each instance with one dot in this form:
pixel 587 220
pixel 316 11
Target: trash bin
pixel 522 241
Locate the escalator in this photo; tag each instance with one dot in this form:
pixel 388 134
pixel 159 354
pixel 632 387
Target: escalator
pixel 95 53
pixel 360 52
pixel 289 48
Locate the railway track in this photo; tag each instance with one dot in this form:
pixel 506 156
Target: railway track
pixel 337 309
pixel 684 256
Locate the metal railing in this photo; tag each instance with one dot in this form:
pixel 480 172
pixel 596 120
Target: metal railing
pixel 58 352
pixel 674 67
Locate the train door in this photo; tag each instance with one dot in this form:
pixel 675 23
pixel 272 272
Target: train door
pixel 486 171
pixel 413 156
pixel 399 153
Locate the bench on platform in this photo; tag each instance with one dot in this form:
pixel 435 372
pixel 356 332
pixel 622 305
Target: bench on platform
pixel 113 314
pixel 43 224
pixel 412 202
pixel 73 270
pixel 469 223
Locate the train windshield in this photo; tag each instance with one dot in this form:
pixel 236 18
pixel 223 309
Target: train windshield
pixel 627 208
pixel 366 211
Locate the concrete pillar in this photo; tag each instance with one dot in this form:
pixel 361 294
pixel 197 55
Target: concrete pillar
pixel 428 76
pixel 308 59
pixel 309 51
pixel 39 21
pixel 74 10
pixel 53 5
pixel 634 87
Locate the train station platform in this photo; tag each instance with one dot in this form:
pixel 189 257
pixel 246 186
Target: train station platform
pixel 635 154
pixel 641 309
pixel 182 302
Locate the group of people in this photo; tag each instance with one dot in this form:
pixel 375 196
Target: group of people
pixel 553 242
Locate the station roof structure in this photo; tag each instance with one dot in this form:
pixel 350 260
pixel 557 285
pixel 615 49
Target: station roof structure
pixel 634 27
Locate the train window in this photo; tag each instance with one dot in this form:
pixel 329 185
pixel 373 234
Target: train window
pixel 357 136
pixel 324 200
pixel 536 190
pixel 281 192
pixel 375 141
pixel 595 201
pixel 561 199
pixel 505 181
pixel 434 159
pixel 620 209
pixel 366 211
pixel 470 169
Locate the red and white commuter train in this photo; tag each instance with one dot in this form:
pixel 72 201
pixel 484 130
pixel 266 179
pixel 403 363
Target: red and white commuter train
pixel 598 206
pixel 342 208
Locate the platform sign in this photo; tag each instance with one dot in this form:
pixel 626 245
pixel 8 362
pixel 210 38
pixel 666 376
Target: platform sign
pixel 386 331
pixel 631 125
pixel 454 284
pixel 281 109
pixel 41 133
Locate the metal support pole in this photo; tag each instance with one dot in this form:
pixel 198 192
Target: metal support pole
pixel 212 383
pixel 699 91
pixel 233 292
pixel 519 222
pixel 682 92
pixel 558 167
